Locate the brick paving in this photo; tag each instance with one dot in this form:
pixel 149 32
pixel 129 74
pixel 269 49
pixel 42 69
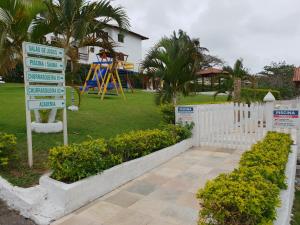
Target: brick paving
pixel 163 196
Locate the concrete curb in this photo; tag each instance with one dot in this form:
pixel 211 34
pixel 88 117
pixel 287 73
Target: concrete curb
pixel 284 212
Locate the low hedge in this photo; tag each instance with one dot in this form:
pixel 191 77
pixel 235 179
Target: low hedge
pixel 257 95
pixel 250 194
pixel 77 161
pixel 8 144
pixel 136 144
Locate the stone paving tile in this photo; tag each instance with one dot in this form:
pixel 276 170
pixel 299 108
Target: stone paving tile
pixel 78 220
pixel 177 213
pixel 216 149
pixel 124 198
pixel 199 169
pixel 167 172
pixel 179 165
pixel 210 161
pixel 129 217
pixel 164 196
pixel 161 221
pixel 150 206
pixel 188 199
pixel 101 212
pixel 177 184
pixel 142 188
pixel 154 179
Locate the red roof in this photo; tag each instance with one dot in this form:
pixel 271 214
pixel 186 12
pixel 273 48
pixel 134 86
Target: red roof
pixel 296 77
pixel 210 72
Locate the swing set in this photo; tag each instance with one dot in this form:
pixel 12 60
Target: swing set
pixel 105 74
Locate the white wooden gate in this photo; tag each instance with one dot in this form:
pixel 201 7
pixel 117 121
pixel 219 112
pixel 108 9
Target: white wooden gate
pixel 231 125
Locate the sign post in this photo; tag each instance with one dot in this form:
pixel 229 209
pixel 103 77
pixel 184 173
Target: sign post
pixel 44 77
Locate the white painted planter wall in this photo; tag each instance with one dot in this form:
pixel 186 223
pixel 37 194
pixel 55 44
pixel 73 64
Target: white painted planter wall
pixel 287 196
pixel 73 196
pixel 53 199
pixel 47 128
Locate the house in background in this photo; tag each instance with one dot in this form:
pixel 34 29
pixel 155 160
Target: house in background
pixel 128 42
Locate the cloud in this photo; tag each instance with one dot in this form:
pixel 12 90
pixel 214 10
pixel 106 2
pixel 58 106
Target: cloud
pixel 255 30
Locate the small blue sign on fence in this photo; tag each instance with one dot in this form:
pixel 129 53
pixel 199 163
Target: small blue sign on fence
pixel 286 113
pixel 184 109
pixel 285 118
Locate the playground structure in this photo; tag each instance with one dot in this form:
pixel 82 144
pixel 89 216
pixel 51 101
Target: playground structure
pixel 104 75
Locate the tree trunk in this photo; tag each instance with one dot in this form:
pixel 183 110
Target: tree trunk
pixel 174 99
pixel 237 89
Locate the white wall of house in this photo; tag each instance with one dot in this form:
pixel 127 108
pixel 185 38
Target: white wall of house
pixel 132 46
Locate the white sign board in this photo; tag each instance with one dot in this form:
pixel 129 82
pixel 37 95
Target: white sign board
pixel 45 91
pixel 286 118
pixel 185 114
pixel 43 77
pixel 44 50
pixel 46 104
pixel 44 64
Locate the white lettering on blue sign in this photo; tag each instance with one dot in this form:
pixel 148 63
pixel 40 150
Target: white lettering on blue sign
pixel 45 64
pixel 286 112
pixel 42 50
pixel 45 91
pixel 42 77
pixel 46 104
pixel 183 109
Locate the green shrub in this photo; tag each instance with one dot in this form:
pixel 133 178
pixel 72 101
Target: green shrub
pixel 269 157
pixel 136 144
pixel 250 194
pixel 257 95
pixel 180 132
pixel 168 113
pixel 77 161
pixel 8 144
pixel 238 199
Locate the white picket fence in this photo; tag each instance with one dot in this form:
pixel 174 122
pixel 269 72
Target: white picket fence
pixel 234 125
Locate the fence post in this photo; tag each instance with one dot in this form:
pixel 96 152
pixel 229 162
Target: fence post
pixel 269 99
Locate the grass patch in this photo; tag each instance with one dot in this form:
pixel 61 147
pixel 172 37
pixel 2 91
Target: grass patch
pixel 95 119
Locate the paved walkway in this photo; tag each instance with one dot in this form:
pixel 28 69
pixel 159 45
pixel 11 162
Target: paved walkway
pixel 164 196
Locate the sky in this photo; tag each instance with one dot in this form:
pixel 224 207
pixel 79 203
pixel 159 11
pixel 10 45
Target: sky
pixel 259 31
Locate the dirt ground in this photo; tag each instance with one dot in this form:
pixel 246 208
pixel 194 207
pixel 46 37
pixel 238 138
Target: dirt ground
pixel 11 217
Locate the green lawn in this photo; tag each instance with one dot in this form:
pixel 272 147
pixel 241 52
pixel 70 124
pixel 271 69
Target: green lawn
pixel 95 119
pixel 296 210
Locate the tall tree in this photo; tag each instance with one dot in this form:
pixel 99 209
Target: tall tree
pixel 279 76
pixel 237 73
pixel 16 18
pixel 79 23
pixel 174 60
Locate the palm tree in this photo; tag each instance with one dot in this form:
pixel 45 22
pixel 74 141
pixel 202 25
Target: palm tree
pixel 78 23
pixel 174 61
pixel 232 83
pixel 16 18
